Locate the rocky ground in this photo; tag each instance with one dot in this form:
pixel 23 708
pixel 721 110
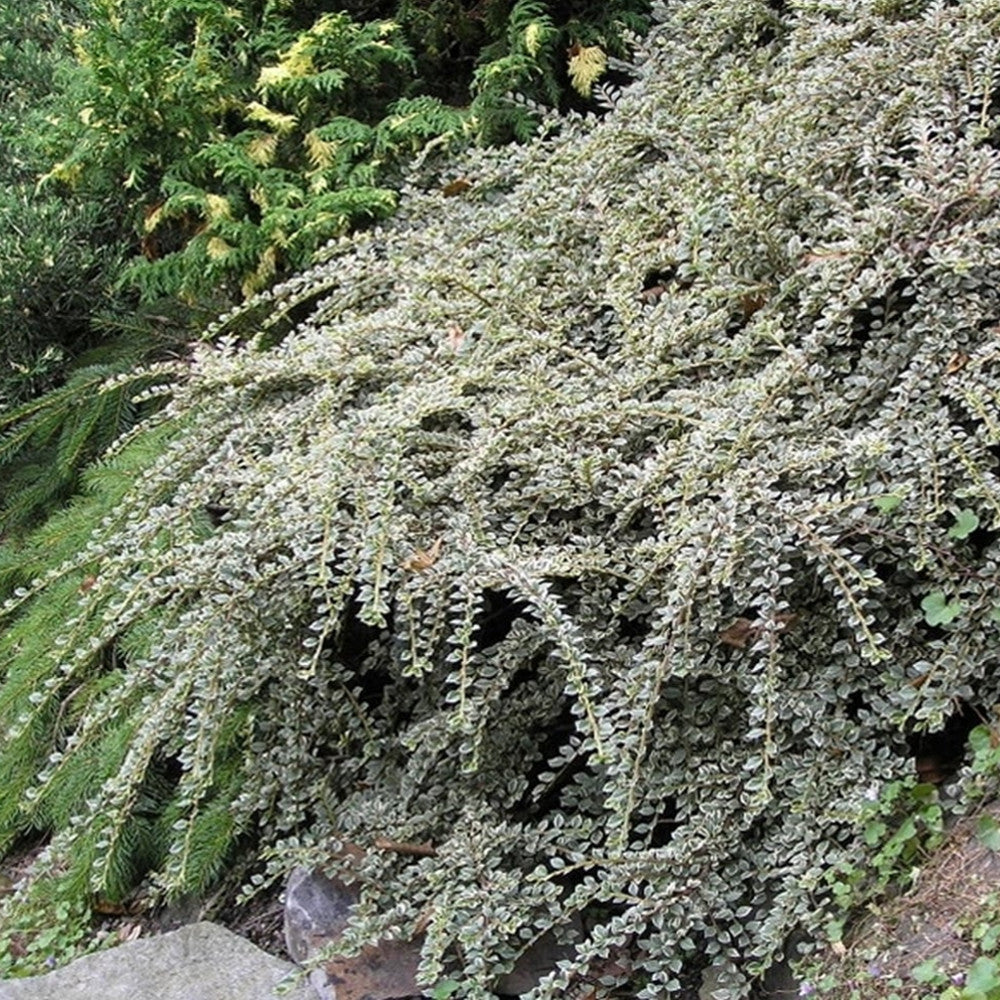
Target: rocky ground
pixel 946 923
pixel 259 920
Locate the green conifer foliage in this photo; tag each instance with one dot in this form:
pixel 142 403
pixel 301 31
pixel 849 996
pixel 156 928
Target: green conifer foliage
pixel 46 442
pixel 246 135
pixel 605 520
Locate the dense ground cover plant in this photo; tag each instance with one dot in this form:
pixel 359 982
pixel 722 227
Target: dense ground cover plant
pixel 607 520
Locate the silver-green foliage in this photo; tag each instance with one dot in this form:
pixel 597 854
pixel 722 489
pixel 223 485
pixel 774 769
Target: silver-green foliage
pixel 791 421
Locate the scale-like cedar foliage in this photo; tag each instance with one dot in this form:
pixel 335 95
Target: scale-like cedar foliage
pixel 606 520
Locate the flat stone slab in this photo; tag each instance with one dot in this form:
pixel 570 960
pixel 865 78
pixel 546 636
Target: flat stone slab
pixel 201 961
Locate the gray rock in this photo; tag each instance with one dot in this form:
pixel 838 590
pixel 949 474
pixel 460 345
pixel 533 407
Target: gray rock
pixel 317 908
pixel 781 983
pixel 201 961
pixel 316 911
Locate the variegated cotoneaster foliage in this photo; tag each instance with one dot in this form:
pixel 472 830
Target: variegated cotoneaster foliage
pixel 607 523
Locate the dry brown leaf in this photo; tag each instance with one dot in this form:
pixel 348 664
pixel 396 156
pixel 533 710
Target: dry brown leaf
pixel 456 337
pixel 129 932
pixel 423 921
pixel 752 302
pixel 387 970
pixel 456 187
pixel 743 631
pixel 956 363
pixel 108 909
pixel 423 559
pixel 738 634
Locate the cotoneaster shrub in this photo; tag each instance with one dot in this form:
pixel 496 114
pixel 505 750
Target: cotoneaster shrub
pixel 606 523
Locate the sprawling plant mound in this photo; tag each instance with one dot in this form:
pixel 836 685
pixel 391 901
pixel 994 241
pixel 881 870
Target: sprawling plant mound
pixel 607 520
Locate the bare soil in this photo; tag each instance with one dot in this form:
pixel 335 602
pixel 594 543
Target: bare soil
pixel 957 889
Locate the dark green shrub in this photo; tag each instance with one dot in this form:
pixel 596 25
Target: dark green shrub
pixel 532 47
pixel 56 258
pixel 32 50
pixel 608 523
pixel 54 265
pixel 305 168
